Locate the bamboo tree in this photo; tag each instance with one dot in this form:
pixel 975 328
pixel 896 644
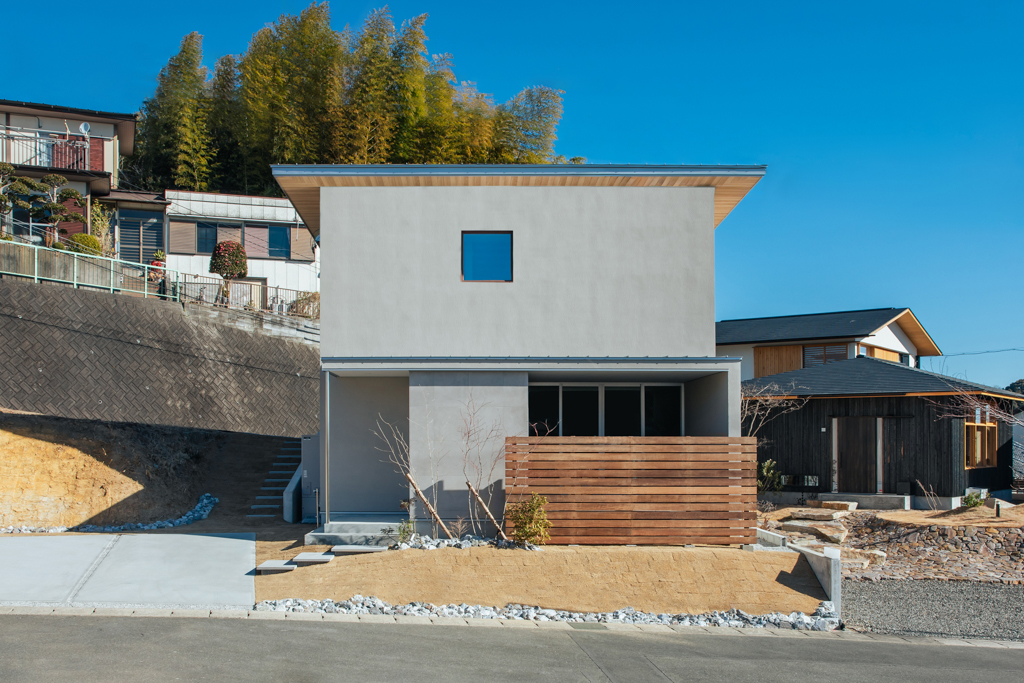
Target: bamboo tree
pixel 525 127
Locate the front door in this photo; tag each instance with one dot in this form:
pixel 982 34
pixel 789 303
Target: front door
pixel 857 454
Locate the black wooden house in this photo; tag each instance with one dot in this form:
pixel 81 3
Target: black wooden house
pixel 872 426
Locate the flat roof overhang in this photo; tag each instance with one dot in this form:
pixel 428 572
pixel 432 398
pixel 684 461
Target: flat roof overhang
pixel 583 369
pixel 302 183
pixel 98 181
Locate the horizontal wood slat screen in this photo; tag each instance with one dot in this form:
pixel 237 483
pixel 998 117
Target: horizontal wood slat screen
pixel 771 360
pixel 642 490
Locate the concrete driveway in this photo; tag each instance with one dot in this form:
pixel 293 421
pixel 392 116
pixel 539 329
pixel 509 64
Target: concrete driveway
pixel 129 570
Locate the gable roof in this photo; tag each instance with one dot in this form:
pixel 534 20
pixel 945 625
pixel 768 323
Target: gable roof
pixel 302 183
pixel 836 325
pixel 865 376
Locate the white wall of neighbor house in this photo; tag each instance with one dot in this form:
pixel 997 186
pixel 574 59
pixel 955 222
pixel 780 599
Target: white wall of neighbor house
pixel 892 337
pixel 57 125
pixel 745 352
pixel 361 477
pixel 298 275
pixel 597 271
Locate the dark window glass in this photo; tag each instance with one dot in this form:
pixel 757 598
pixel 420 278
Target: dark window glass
pixel 206 237
pixel 622 411
pixel 280 245
pixel 663 407
pixel 543 411
pixel 579 411
pixel 487 256
pixel 141 234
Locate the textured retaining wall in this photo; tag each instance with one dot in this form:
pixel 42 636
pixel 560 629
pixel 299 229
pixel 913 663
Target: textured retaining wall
pixel 94 355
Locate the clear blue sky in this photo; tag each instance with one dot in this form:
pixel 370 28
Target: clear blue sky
pixel 893 132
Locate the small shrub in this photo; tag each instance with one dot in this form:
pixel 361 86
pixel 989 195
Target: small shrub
pixel 973 500
pixel 768 478
pixel 59 246
pixel 6 237
pixel 85 244
pixel 459 527
pixel 229 260
pixel 530 520
pixel 159 255
pixel 405 530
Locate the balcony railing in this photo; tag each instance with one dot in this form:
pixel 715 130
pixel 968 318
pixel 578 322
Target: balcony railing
pixel 30 147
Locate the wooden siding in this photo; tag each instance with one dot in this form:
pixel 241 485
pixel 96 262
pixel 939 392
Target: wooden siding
pixel 884 354
pixel 641 490
pixel 771 360
pixel 917 445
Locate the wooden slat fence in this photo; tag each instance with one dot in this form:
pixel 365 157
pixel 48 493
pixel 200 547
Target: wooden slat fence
pixel 639 490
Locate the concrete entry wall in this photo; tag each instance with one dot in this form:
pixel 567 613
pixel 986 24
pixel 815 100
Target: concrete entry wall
pixel 441 404
pixel 361 477
pixel 712 404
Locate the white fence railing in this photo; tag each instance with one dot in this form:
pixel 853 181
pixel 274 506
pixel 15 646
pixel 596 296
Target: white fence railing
pixel 43 148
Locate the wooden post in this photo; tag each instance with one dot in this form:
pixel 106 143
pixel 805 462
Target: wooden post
pixel 430 508
pixel 487 510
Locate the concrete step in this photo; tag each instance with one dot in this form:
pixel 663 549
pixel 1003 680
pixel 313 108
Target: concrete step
pixel 247 516
pixel 273 488
pixel 357 549
pixel 275 567
pixel 264 507
pixel 268 497
pixel 303 559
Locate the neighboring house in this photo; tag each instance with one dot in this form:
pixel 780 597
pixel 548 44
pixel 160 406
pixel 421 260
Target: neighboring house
pixel 769 346
pixel 573 298
pixel 82 145
pixel 281 251
pixel 872 426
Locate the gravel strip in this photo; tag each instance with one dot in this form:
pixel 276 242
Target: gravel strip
pixel 958 609
pixel 200 511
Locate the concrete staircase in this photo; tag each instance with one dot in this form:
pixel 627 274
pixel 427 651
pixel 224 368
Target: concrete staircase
pixel 269 501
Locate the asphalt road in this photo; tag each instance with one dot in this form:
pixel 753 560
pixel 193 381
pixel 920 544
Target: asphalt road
pixel 51 648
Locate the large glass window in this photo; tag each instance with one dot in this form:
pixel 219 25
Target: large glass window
pixel 487 256
pixel 279 242
pixel 606 410
pixel 206 237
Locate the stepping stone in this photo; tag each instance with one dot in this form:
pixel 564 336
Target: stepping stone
pixel 830 531
pixel 832 505
pixel 356 549
pixel 302 559
pixel 818 515
pixel 268 507
pixel 275 567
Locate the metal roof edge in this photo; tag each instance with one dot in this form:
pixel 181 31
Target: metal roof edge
pixel 284 170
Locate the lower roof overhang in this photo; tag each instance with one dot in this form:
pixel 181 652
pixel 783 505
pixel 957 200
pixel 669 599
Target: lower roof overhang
pixel 302 183
pixel 98 182
pixel 540 369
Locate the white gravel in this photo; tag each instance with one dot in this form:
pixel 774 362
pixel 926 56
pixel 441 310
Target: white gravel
pixel 958 609
pixel 200 511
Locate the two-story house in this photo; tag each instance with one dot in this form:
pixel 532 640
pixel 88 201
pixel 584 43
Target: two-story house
pixel 82 145
pixel 576 300
pixel 791 342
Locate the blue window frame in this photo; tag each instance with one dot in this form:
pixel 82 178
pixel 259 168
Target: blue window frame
pixel 279 243
pixel 487 256
pixel 206 237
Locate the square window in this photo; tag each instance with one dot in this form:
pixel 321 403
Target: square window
pixel 206 237
pixel 487 256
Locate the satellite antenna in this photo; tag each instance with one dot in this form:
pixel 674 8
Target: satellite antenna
pixel 84 127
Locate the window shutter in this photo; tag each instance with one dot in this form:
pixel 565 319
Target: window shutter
pixel 835 352
pixel 256 241
pixel 814 356
pixel 301 243
pixel 229 233
pixel 182 237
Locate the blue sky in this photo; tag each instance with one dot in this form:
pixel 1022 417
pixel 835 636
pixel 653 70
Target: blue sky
pixel 893 132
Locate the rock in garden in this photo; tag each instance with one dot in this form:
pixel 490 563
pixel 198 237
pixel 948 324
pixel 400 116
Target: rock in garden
pixel 830 531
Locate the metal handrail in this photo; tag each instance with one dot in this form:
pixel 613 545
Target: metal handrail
pixel 51 152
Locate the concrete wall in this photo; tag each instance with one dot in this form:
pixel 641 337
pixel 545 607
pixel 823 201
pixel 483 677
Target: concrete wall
pixel 361 477
pixel 597 272
pixel 712 405
pixel 440 407
pixel 99 356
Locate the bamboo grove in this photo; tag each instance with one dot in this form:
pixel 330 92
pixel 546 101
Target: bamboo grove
pixel 303 93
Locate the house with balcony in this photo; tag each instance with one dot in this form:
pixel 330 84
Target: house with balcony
pixel 768 346
pixel 560 300
pixel 82 145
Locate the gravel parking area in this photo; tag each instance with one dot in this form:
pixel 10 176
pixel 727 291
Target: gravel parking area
pixel 960 609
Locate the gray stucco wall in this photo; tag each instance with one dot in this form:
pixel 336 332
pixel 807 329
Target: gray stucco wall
pixel 610 271
pixel 712 404
pixel 361 477
pixel 441 405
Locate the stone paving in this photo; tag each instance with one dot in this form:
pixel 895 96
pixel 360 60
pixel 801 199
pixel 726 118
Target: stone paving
pixel 944 553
